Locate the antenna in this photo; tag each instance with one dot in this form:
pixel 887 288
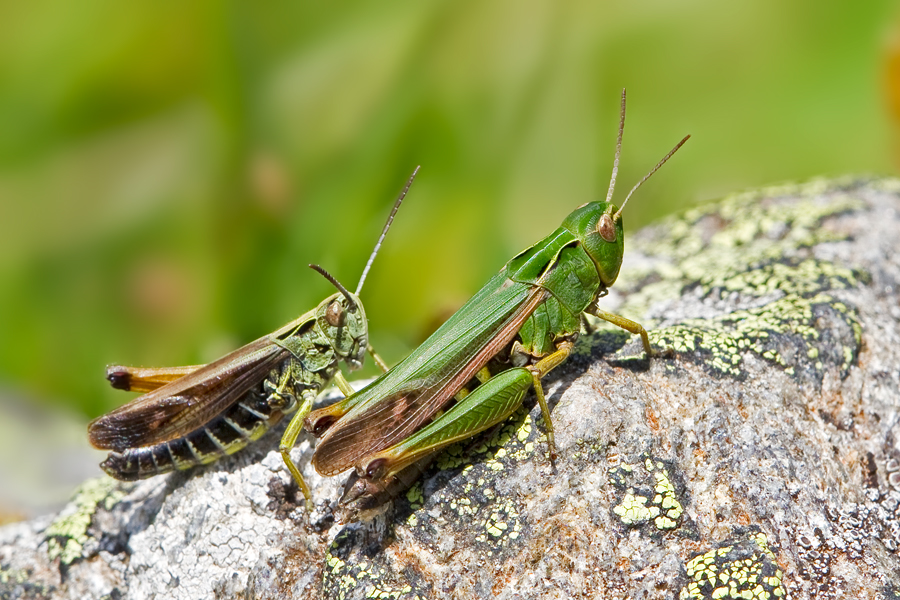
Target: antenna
pixel 336 284
pixel 612 181
pixel 384 231
pixel 652 171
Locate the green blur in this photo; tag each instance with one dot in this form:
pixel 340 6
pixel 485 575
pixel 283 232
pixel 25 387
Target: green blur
pixel 167 170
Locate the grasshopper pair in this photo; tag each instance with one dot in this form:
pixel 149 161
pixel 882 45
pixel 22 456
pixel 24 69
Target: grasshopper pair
pixel 471 374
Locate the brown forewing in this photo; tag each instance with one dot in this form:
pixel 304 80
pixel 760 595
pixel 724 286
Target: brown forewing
pixel 400 415
pixel 181 406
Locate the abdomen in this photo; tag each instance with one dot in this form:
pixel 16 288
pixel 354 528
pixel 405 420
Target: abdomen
pixel 243 422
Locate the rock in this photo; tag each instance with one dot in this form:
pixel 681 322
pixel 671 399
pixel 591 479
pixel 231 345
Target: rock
pixel 761 460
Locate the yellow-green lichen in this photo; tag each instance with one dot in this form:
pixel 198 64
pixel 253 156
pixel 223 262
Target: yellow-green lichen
pixel 451 458
pixel 469 503
pixel 12 577
pixel 387 593
pixel 508 443
pixel 788 322
pixel 744 259
pixel 67 534
pixel 341 578
pixel 646 494
pixel 415 496
pixel 744 569
pixel 500 522
pixel 15 583
pixel 633 510
pixel 749 230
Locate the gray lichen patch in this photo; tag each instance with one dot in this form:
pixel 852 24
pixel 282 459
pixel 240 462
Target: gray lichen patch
pixel 788 331
pixel 853 531
pixel 741 569
pixel 358 577
pixel 471 504
pixel 515 440
pixel 747 281
pixel 67 534
pixel 714 243
pixel 462 509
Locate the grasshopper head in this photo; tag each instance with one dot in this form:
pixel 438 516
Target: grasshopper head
pixel 598 225
pixel 599 228
pixel 342 320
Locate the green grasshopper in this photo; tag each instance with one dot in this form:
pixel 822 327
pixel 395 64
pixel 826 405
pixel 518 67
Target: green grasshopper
pixel 522 324
pixel 194 415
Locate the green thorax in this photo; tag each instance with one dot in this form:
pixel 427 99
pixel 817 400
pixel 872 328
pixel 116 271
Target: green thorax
pixel 575 264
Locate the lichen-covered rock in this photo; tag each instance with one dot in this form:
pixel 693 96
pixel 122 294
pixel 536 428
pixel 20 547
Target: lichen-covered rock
pixel 759 462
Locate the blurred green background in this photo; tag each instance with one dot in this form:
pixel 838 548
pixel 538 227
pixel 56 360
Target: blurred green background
pixel 168 169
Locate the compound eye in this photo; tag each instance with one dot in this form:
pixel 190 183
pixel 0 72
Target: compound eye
pixel 606 228
pixel 334 313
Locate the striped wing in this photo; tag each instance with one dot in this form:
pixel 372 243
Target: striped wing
pixel 171 411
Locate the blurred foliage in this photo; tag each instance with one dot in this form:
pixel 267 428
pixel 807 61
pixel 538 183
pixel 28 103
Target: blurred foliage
pixel 168 169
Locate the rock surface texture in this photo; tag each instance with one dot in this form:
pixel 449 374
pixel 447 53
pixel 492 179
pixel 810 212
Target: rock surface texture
pixel 761 461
